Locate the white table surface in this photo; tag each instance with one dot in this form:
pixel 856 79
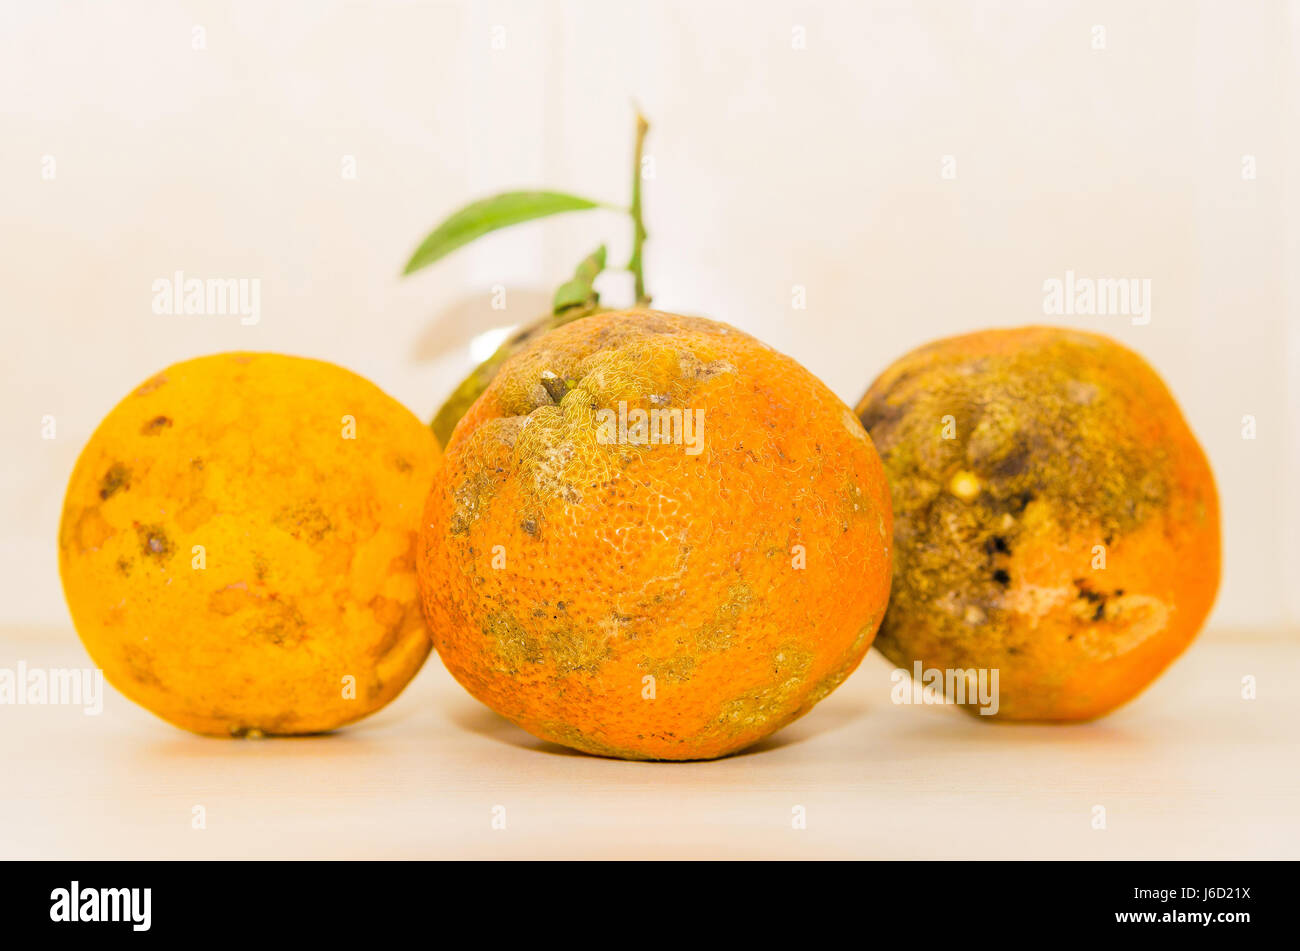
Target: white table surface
pixel 1189 770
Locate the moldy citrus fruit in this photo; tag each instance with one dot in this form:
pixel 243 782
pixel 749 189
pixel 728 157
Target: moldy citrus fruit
pixel 654 537
pixel 238 545
pixel 1056 519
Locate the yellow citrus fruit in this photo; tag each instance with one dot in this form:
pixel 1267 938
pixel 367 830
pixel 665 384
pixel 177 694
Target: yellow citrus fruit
pixel 1057 521
pixel 654 537
pixel 238 545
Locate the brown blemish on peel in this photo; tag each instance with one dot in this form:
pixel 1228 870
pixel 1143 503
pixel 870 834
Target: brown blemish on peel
pixel 567 650
pixel 676 669
pixel 718 633
pixel 472 496
pixel 757 708
pixel 280 623
pixel 154 542
pixel 140 666
pixel 572 650
pixel 155 426
pixel 117 477
pixel 1093 605
pixel 306 520
pixel 277 621
pixel 1125 622
pixel 512 646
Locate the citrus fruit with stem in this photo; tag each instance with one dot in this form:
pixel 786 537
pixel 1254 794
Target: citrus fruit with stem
pixel 654 537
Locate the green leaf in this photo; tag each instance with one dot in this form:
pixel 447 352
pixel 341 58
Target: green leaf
pixel 579 289
pixel 490 214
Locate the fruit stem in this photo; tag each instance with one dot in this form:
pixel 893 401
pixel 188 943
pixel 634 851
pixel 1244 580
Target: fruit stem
pixel 638 226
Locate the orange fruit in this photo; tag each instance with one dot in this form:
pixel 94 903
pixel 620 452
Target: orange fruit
pixel 677 590
pixel 238 545
pixel 1057 521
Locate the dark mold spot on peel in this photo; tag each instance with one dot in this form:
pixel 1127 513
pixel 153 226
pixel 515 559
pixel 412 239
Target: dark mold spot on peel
pixel 1013 463
pixel 1094 605
pixel 117 477
pixel 155 426
pixel 154 542
pixel 305 520
pixel 278 622
pixel 1001 577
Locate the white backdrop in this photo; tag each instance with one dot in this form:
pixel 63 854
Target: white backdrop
pixel 920 169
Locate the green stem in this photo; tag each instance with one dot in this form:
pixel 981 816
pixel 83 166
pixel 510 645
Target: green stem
pixel 638 226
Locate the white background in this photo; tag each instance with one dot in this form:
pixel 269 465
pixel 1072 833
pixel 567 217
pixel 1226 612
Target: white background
pixel 774 167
